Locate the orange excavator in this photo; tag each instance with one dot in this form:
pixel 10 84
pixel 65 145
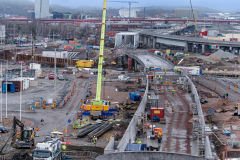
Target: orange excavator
pixel 166 56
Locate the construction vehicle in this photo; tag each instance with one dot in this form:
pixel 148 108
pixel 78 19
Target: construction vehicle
pixel 23 139
pixel 50 148
pixel 98 104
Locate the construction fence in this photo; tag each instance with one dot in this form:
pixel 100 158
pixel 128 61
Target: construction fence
pixel 40 59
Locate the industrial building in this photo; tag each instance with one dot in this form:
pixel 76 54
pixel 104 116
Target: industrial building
pixel 31 14
pixel 186 13
pixel 42 9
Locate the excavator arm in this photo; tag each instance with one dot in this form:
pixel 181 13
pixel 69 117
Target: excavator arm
pixel 20 124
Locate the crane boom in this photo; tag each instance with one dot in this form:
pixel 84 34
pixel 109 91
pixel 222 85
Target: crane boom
pixel 98 101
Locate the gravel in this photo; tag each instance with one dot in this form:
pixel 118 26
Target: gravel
pixel 221 54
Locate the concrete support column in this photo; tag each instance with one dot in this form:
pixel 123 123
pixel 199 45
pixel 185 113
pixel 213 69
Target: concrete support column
pixel 186 47
pixel 154 42
pixel 192 47
pixel 144 40
pixel 203 48
pixel 135 65
pixel 233 51
pixel 149 42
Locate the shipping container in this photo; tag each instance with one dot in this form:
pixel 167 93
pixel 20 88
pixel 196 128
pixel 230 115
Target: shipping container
pixel 67 47
pixel 85 64
pixel 159 112
pixel 89 47
pixel 8 87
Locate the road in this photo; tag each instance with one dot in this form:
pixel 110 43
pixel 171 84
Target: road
pixel 151 61
pixel 53 118
pixel 178 131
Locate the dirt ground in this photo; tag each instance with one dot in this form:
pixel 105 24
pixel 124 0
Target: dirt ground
pixel 8 122
pixel 225 119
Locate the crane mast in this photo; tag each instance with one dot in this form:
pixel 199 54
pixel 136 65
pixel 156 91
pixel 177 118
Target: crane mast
pixel 98 101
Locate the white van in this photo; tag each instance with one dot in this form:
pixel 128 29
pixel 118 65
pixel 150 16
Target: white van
pixel 123 78
pixel 88 69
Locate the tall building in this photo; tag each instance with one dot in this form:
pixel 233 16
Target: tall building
pixel 125 13
pixel 186 13
pixel 42 9
pixel 31 14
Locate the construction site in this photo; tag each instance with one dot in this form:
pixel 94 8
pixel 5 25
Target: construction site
pixel 138 98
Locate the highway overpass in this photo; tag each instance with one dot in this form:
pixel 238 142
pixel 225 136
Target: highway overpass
pixel 150 38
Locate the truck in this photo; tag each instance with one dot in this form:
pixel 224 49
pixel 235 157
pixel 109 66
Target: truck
pixel 84 64
pixel 189 70
pixel 50 148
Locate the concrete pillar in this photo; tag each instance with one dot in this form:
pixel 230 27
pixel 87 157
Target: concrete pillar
pixel 233 51
pixel 154 42
pixel 149 42
pixel 186 47
pixel 203 48
pixel 135 65
pixel 192 47
pixel 144 41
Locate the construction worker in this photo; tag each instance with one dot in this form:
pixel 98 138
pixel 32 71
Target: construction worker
pixel 176 69
pixel 95 140
pixel 160 137
pixel 161 78
pixel 63 149
pixel 185 55
pixel 139 141
pixel 121 110
pixel 149 96
pixel 165 70
pixel 173 91
pixel 155 76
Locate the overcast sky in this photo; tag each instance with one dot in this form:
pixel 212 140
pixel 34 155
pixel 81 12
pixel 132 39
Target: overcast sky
pixel 214 4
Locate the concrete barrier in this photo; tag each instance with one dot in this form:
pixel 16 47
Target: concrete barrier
pixel 147 156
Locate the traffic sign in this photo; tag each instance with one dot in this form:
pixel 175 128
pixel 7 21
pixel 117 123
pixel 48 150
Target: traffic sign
pixel 78 46
pixel 69 121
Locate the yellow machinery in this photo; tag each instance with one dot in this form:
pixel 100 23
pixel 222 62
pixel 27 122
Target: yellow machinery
pixel 84 64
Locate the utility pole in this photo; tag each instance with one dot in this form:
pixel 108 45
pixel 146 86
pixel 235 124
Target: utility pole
pixel 55 72
pixel 32 49
pixel 6 87
pixel 21 93
pixel 1 91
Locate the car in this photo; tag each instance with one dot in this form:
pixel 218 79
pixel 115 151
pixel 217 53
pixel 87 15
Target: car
pixel 179 53
pixel 123 78
pixel 60 77
pixel 3 129
pixel 119 69
pixel 20 62
pixel 51 76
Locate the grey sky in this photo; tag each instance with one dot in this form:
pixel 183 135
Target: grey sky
pixel 214 4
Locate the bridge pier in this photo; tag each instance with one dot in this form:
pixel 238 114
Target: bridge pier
pixel 186 47
pixel 154 42
pixel 144 40
pixel 203 48
pixel 149 42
